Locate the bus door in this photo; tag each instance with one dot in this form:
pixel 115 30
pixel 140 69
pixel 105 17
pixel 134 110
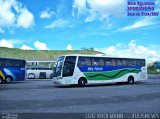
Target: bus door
pixel 69 66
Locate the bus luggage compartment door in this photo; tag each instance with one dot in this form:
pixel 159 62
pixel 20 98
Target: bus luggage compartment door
pixel 42 75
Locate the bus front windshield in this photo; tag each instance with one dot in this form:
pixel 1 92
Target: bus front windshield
pixel 59 64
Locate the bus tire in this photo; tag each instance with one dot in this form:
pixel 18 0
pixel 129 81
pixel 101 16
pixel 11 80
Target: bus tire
pixel 130 80
pixel 82 82
pixel 8 79
pixel 119 83
pixel 1 80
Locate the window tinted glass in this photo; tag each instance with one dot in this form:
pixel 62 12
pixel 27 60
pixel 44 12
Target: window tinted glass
pixel 109 62
pixel 101 62
pixel 18 63
pixel 131 62
pixel 69 64
pixel 97 61
pixel 6 62
pixel 84 61
pixel 2 62
pixel 10 62
pixel 121 62
pixel 140 62
pixel 71 59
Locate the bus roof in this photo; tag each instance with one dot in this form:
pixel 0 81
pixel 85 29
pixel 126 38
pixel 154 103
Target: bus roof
pixel 101 55
pixel 12 58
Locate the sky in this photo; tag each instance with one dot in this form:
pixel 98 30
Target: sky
pixel 75 24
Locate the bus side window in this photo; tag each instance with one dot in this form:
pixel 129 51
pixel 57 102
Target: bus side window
pixel 81 61
pixel 110 62
pixel 3 62
pixel 95 61
pixel 84 61
pixel 87 62
pixel 101 62
pixel 121 62
pixel 131 62
pixel 140 62
pixel 8 62
pixel 15 63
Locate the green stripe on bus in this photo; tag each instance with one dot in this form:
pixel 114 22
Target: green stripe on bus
pixel 110 74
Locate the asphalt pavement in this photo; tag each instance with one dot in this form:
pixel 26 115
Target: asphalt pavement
pixel 42 96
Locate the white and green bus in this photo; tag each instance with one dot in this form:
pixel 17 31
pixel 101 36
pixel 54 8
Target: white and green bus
pixel 91 69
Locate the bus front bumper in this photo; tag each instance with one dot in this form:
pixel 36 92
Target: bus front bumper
pixel 62 81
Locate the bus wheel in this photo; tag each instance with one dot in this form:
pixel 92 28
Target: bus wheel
pixel 8 80
pixel 130 80
pixel 81 82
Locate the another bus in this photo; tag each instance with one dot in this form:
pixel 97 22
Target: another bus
pixel 39 72
pixel 12 70
pixel 40 69
pixel 89 69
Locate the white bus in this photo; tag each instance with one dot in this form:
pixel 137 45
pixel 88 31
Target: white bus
pixel 87 69
pixel 37 69
pixel 39 72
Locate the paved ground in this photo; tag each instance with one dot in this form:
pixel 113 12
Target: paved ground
pixel 43 96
